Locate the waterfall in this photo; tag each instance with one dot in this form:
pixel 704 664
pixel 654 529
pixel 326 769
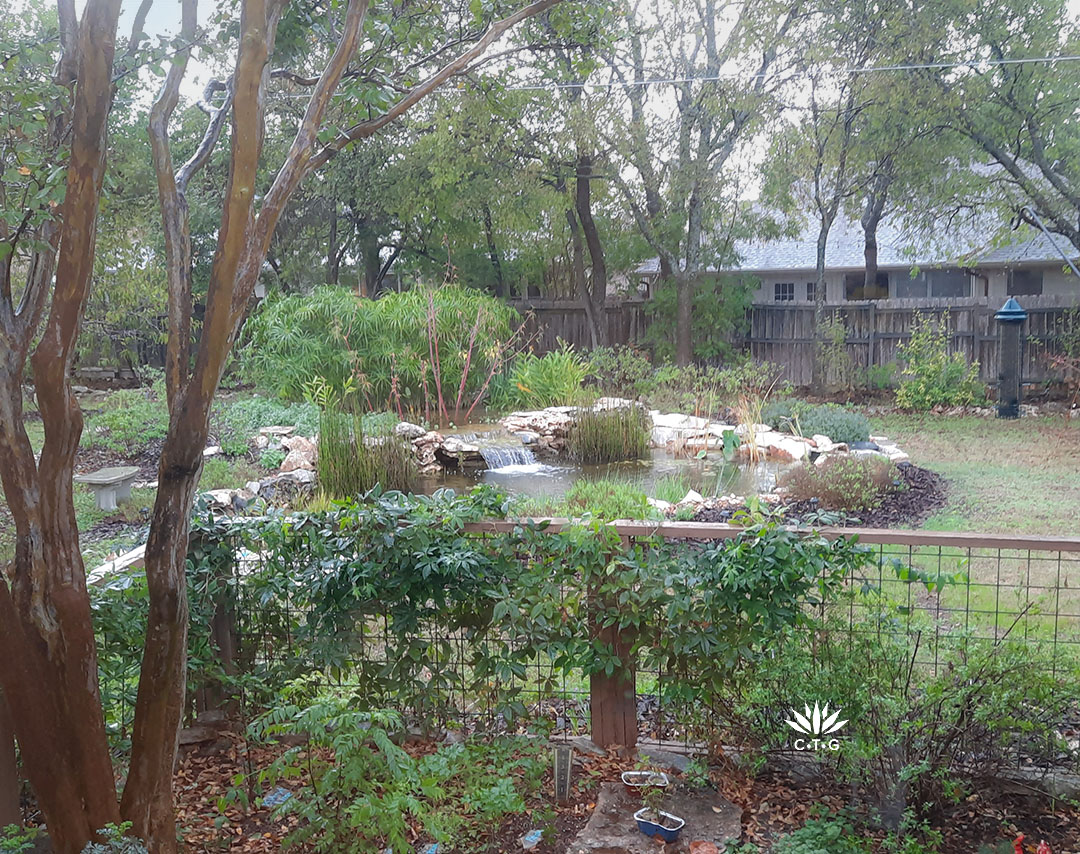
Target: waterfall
pixel 501 456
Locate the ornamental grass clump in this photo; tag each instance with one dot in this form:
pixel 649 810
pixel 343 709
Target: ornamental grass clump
pixel 842 482
pixel 352 462
pixel 610 435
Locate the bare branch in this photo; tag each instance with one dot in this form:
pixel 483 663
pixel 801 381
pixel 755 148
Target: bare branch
pixel 457 66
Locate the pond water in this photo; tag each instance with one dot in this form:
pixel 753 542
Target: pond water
pixel 513 468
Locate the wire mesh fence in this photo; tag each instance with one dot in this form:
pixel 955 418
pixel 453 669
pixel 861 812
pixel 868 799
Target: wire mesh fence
pixel 471 669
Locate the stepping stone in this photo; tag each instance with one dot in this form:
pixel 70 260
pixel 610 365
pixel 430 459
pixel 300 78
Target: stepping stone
pixel 611 829
pixel 110 485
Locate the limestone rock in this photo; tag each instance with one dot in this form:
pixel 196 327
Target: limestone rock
pixel 409 431
pixel 692 497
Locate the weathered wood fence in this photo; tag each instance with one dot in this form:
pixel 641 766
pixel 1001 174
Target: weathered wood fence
pixel 783 333
pixel 549 321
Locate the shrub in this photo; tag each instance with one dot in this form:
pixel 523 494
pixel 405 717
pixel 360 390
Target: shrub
pixel 352 462
pixel 827 419
pixel 842 482
pixel 129 421
pixel 610 435
pixel 619 371
pixel 718 321
pixel 237 422
pixel 407 349
pixel 536 382
pixel 931 376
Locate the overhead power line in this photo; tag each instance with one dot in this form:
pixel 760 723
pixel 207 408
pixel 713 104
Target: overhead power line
pixel 741 75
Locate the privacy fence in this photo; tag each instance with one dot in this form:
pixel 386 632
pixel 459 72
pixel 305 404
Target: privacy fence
pixel 957 650
pixel 783 333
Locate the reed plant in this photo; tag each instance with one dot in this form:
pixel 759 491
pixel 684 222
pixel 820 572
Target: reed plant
pixel 672 488
pixel 610 435
pixel 351 462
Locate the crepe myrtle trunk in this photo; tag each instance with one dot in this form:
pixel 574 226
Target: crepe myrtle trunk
pixel 9 770
pixel 817 381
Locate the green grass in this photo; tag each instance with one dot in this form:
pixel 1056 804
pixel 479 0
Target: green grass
pixel 1019 476
pixel 671 488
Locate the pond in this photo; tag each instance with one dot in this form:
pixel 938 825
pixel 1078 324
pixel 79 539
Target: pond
pixel 517 471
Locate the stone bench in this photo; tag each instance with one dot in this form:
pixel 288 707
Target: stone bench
pixel 110 485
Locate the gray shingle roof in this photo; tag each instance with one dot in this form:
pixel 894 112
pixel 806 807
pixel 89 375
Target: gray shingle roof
pixel 897 248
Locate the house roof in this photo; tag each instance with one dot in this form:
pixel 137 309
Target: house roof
pixel 897 248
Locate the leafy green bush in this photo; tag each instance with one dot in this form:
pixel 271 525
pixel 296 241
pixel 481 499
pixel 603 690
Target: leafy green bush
pixel 403 349
pixel 116 842
pixel 827 419
pixel 718 322
pixel 364 793
pixel 17 840
pixel 619 371
pixel 129 421
pixel 238 421
pixel 842 482
pixel 536 382
pixel 351 462
pixel 610 435
pixel 931 376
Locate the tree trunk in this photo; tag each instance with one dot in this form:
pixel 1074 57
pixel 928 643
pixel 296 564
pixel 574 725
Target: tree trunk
pixel 596 292
pixel 148 795
pixel 684 318
pixel 493 253
pixel 333 259
pixel 817 381
pixel 577 271
pixel 873 211
pixel 48 669
pixel 369 250
pixel 10 812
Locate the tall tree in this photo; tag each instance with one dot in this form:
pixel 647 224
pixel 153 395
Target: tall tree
pixel 718 62
pixel 1018 114
pixel 45 626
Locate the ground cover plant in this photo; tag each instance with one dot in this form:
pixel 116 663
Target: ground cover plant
pixel 236 422
pixel 609 435
pixel 129 420
pixel 364 792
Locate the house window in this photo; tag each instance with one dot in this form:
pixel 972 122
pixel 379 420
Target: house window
pixel 783 291
pixel 949 283
pixel 811 291
pixel 1025 283
pixel 911 287
pixel 855 287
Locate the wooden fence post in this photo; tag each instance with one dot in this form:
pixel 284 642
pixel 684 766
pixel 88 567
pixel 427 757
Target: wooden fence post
pixel 613 699
pixel 9 770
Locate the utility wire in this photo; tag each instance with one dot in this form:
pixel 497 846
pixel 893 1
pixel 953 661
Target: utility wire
pixel 736 75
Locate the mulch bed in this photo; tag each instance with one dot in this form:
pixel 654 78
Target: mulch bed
pixel 923 492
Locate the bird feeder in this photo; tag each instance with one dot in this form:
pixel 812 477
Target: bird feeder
pixel 1010 318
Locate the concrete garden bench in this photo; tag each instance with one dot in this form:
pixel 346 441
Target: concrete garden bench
pixel 110 485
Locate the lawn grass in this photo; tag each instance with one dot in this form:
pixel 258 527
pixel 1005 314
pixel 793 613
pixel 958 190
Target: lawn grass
pixel 1019 477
